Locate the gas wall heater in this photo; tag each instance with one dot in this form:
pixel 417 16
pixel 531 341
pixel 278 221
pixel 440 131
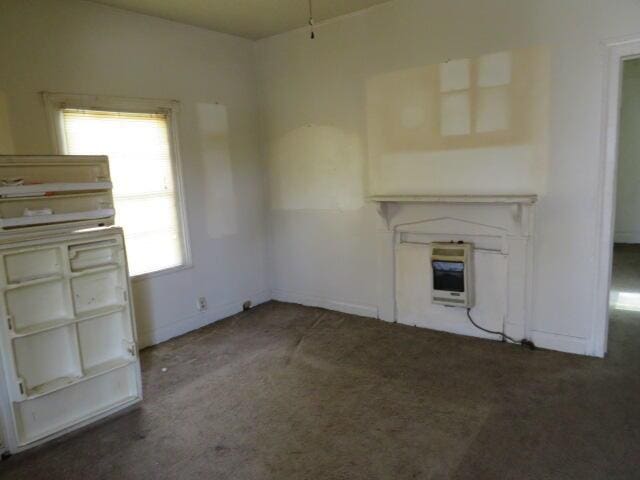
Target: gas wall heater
pixel 452 274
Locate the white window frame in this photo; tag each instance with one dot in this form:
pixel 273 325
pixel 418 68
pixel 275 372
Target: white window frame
pixel 54 103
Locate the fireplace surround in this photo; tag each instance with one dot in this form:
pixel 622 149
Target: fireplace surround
pixel 499 227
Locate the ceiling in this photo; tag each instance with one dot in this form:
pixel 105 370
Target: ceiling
pixel 251 19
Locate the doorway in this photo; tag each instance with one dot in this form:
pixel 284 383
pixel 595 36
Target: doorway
pixel 615 288
pixel 624 296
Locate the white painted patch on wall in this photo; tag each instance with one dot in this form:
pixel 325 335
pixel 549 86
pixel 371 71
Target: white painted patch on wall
pixel 446 171
pixel 494 110
pixel 414 115
pixel 220 199
pixel 454 75
pixel 316 167
pixel 456 114
pixel 477 125
pixel 494 70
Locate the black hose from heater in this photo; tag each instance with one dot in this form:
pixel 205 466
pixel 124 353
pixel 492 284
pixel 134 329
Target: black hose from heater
pixel 524 342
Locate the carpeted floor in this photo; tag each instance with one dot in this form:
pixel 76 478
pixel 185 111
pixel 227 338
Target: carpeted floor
pixel 289 392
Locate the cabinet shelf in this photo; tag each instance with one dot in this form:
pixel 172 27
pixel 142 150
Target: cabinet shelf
pixel 33 278
pixel 38 304
pixel 106 367
pixel 50 386
pixel 42 327
pixel 100 312
pixel 24 191
pixel 34 435
pixel 34 281
pixel 64 382
pixel 56 218
pixel 64 322
pixel 89 270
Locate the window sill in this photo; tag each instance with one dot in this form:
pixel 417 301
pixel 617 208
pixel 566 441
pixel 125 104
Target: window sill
pixel 159 273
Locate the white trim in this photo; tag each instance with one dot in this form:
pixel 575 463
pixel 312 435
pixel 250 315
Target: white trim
pixel 560 343
pixel 626 237
pixel 186 325
pixel 54 102
pixel 497 199
pixel 55 218
pixel 530 268
pixel 324 302
pixel 447 326
pixel 21 191
pixel 179 183
pixel 158 273
pixel 616 51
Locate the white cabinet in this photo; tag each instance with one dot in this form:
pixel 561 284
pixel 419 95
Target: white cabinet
pixel 68 340
pixel 68 347
pixel 54 192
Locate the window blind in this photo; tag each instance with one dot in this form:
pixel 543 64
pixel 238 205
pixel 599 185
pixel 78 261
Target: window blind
pixel 139 152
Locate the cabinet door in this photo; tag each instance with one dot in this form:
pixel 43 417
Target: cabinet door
pixel 39 346
pixel 68 331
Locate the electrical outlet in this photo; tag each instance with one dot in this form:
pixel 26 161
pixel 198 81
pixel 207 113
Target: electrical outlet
pixel 202 304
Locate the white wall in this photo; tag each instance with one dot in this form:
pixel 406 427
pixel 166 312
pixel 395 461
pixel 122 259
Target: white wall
pixel 451 126
pixel 80 47
pixel 325 252
pixel 312 95
pixel 627 228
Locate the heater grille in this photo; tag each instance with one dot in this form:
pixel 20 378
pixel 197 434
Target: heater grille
pixel 451 269
pixel 448 252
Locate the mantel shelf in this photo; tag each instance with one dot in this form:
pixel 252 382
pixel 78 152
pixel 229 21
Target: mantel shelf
pixel 457 199
pixel 516 202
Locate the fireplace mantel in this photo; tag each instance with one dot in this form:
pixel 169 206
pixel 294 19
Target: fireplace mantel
pixel 517 201
pixel 499 226
pixel 528 199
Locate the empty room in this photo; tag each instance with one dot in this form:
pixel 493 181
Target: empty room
pixel 319 239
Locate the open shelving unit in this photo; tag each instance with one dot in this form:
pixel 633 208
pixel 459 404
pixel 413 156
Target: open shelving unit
pixel 42 193
pixel 45 189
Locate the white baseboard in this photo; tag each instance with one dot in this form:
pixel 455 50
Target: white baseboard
pixel 551 341
pixel 626 237
pixel 213 314
pixel 514 331
pixel 322 302
pixel 450 327
pixel 561 343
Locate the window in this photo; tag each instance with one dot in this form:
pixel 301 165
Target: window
pixel 144 175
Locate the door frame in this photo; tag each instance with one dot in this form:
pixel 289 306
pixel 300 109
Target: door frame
pixel 616 52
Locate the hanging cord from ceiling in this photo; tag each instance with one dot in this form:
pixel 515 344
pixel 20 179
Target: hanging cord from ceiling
pixel 313 35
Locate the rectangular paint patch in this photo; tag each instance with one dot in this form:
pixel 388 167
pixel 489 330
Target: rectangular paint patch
pixel 219 194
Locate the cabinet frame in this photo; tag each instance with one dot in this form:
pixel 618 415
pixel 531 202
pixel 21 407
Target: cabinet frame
pixel 12 394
